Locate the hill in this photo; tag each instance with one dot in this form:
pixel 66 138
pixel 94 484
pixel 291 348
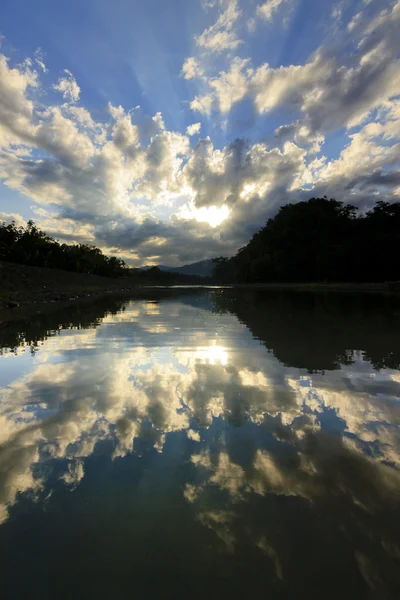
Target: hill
pixel 203 268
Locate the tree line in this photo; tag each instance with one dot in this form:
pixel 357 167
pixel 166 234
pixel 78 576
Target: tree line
pixel 319 240
pixel 30 246
pixel 318 331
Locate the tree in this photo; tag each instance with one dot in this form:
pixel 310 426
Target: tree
pixel 31 246
pixel 320 240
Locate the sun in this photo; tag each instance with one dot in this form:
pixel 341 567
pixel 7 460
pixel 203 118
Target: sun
pixel 213 215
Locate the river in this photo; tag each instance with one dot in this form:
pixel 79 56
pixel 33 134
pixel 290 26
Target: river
pixel 201 443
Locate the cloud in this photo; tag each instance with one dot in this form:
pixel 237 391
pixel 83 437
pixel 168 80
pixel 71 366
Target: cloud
pixel 193 129
pixel 193 435
pixel 329 91
pixel 68 87
pixel 268 10
pixel 146 193
pixel 16 109
pixel 191 68
pixel 80 115
pixel 178 379
pixel 230 87
pixel 363 166
pixel 207 4
pixel 302 136
pixel 39 60
pixel 222 36
pixel 239 172
pixel 355 21
pixel 10 217
pixel 152 241
pixel 74 474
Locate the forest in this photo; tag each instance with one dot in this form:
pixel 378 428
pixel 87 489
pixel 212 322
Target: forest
pixel 319 240
pixel 30 246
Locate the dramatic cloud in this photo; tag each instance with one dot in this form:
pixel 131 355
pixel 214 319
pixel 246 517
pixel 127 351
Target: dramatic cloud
pixel 119 178
pixel 329 91
pixel 177 377
pixel 239 172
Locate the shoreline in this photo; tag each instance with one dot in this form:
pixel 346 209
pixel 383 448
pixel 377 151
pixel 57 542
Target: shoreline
pixel 26 290
pixel 384 287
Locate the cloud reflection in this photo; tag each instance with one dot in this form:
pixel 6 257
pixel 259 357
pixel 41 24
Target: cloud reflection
pixel 254 428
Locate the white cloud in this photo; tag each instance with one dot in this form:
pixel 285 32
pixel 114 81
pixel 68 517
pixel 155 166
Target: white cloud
pixel 39 60
pixel 228 88
pixel 117 112
pixel 10 217
pixel 268 10
pixel 16 109
pixel 191 68
pixel 222 35
pixel 81 115
pixel 193 435
pixel 193 129
pixel 355 21
pixel 327 92
pixel 362 163
pixel 125 135
pixel 68 87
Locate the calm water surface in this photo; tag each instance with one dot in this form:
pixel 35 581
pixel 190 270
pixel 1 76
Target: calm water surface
pixel 202 444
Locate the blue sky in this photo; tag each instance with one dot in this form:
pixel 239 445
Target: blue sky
pixel 283 99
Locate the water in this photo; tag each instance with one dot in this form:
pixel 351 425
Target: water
pixel 202 444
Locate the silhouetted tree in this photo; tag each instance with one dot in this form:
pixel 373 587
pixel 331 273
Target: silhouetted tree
pixel 320 240
pixel 31 246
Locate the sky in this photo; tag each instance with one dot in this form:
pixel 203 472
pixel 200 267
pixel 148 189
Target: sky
pixel 169 131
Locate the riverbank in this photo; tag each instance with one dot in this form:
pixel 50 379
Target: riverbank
pixel 385 287
pixel 26 290
pixel 33 288
pixel 22 285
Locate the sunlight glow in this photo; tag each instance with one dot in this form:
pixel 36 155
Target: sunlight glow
pixel 212 355
pixel 248 190
pixel 213 215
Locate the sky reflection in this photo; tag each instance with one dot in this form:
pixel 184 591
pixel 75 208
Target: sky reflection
pixel 242 434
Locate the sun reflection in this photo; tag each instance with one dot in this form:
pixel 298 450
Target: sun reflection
pixel 212 355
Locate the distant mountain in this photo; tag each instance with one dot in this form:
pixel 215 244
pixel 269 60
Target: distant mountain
pixel 202 268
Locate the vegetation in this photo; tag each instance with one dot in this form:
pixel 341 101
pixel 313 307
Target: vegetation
pixel 31 246
pixel 319 240
pixel 319 331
